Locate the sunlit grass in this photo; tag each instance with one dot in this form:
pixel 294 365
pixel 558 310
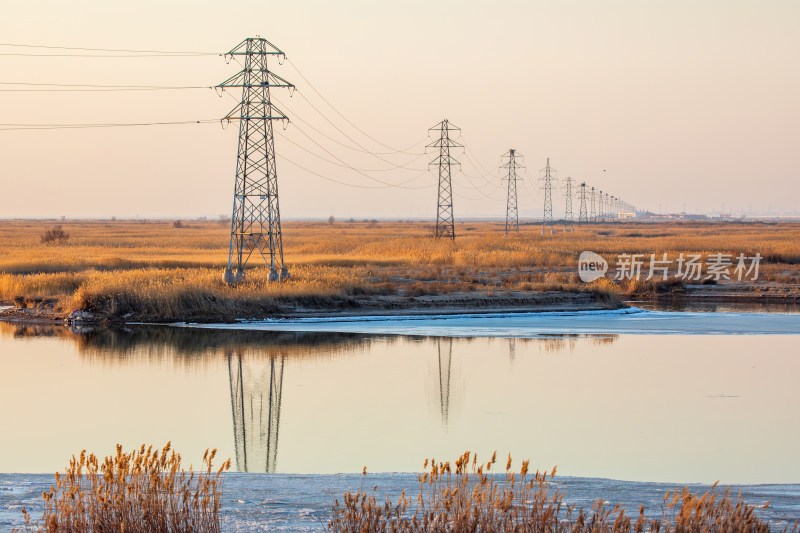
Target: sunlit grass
pixel 467 496
pixel 144 490
pixel 118 267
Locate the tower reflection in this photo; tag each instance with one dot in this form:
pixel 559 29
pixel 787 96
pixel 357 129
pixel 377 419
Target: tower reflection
pixel 256 365
pixel 256 387
pixel 445 364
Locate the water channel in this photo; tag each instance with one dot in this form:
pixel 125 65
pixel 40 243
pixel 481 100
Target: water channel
pixel 625 397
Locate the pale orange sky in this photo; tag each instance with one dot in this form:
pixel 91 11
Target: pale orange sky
pixel 679 102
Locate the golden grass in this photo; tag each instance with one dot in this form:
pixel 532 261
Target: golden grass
pixel 471 498
pixel 155 268
pixel 147 491
pixel 144 490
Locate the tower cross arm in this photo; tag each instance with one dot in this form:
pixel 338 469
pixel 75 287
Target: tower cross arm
pixel 270 80
pixel 438 143
pixel 236 114
pixel 446 124
pixel 446 160
pixel 241 48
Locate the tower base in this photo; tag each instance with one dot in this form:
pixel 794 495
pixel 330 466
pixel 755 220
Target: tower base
pixel 232 277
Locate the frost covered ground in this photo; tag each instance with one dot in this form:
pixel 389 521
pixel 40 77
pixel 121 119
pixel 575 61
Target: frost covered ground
pixel 286 502
pixel 623 321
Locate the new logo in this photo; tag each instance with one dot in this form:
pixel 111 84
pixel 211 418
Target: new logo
pixel 591 266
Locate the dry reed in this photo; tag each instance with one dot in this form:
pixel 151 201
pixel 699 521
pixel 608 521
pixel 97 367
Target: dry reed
pixel 471 498
pixel 156 269
pixel 145 491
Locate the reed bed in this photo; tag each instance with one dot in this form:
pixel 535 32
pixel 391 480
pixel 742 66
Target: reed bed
pixel 157 269
pixel 143 491
pixel 471 498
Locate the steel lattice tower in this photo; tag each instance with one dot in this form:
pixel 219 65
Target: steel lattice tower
pixel 568 206
pixel 593 211
pixel 445 225
pixel 256 219
pixel 583 216
pixel 512 213
pixel 600 203
pixel 547 175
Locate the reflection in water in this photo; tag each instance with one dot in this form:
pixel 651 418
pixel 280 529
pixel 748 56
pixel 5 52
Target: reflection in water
pixel 256 364
pixel 638 407
pixel 256 390
pixel 445 361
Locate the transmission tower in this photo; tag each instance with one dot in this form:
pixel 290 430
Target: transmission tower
pixel 583 216
pixel 593 212
pixel 512 213
pixel 445 226
pixel 568 206
pixel 256 219
pixel 600 204
pixel 547 175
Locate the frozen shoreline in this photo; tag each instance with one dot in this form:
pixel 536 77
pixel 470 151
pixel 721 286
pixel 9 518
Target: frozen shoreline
pixel 630 321
pixel 289 502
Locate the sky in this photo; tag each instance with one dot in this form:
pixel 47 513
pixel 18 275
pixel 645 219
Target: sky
pixel 667 105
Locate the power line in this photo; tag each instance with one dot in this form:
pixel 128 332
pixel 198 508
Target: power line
pixel 341 161
pixel 338 112
pixel 377 155
pixel 170 52
pixel 12 127
pixel 363 151
pixel 101 55
pixel 104 86
pixel 472 186
pixel 474 157
pixel 328 178
pixel 345 165
pixel 474 163
pixel 90 90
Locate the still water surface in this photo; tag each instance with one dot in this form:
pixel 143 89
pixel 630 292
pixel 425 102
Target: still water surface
pixel 671 408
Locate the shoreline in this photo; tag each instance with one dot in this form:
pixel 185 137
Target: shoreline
pixel 457 303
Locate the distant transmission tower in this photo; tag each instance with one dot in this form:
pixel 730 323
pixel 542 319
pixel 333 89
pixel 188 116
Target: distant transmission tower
pixel 583 216
pixel 600 202
pixel 547 175
pixel 512 213
pixel 445 226
pixel 568 206
pixel 256 219
pixel 593 211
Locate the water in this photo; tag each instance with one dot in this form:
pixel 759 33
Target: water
pixel 600 397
